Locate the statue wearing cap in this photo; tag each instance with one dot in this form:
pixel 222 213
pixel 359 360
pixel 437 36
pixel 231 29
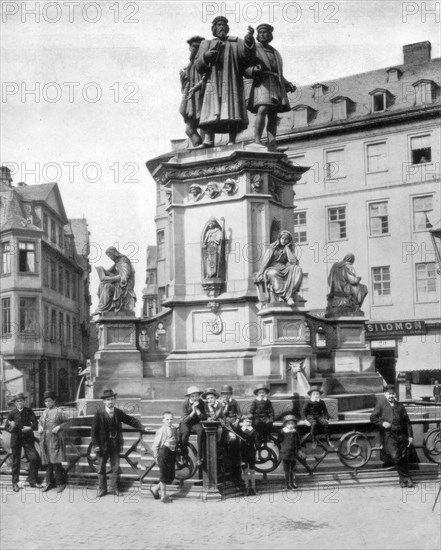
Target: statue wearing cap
pixel 223 60
pixel 192 87
pixel 268 95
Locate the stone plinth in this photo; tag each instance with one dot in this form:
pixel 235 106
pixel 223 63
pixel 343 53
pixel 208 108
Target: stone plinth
pixel 284 339
pixel 210 474
pixel 118 362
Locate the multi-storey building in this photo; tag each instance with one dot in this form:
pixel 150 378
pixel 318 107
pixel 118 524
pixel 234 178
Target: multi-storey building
pixel 372 142
pixel 44 293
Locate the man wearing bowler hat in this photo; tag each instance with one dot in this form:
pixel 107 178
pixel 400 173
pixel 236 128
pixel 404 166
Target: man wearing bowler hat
pixel 193 412
pixel 21 423
pixel 52 447
pixel 107 440
pixel 392 419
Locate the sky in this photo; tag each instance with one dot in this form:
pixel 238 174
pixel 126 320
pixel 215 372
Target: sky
pixel 90 90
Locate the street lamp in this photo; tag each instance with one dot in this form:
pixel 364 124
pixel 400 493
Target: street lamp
pixel 435 235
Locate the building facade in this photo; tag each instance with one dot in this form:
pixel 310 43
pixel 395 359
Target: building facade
pixel 44 293
pixel 372 142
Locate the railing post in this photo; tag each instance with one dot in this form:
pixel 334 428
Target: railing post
pixel 209 478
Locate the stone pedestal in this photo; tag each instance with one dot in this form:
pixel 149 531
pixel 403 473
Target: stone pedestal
pixel 118 362
pixel 285 339
pixel 210 479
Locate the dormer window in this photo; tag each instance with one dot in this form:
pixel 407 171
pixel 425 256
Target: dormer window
pixel 381 100
pixel 394 74
pixel 342 107
pixel 303 115
pixel 425 91
pixel 319 90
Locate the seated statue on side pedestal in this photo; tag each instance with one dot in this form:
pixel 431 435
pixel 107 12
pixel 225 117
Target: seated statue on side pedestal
pixel 280 276
pixel 346 293
pixel 116 285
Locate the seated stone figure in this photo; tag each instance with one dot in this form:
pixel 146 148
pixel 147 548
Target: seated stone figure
pixel 116 286
pixel 346 293
pixel 280 274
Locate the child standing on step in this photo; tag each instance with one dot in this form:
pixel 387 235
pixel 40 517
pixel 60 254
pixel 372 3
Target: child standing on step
pixel 248 449
pixel 164 452
pixel 289 442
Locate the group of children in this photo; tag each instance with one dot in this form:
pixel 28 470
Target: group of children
pixel 239 435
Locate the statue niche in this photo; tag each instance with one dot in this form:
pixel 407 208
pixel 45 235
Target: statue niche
pixel 213 257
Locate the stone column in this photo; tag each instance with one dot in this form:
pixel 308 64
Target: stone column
pixel 209 479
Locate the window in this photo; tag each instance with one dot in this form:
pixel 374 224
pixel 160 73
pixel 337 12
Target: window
pixel 53 272
pixel 422 208
pixel 381 285
pixel 60 279
pixel 426 282
pixel 74 332
pixel 46 225
pixel 28 314
pixel 378 218
pixel 6 315
pixel 305 285
pixel 335 167
pixel 45 270
pixel 160 244
pixel 60 236
pixel 68 284
pixel 74 286
pixel 61 327
pixel 424 92
pixel 378 102
pixel 53 232
pixel 68 330
pixel 6 258
pixel 300 235
pixel 26 257
pixel 421 150
pixel 376 157
pixel 339 110
pixel 337 223
pixel 53 325
pixel 46 332
pixel 300 160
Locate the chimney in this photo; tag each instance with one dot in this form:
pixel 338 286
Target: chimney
pixel 5 176
pixel 413 54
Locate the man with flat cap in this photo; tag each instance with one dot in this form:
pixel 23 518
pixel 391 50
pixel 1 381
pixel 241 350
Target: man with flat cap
pixel 107 440
pixel 392 419
pixel 192 87
pixel 223 60
pixel 21 423
pixel 268 95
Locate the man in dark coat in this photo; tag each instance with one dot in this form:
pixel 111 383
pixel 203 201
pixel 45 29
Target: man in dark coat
pixel 193 412
pixel 21 423
pixel 107 440
pixel 392 419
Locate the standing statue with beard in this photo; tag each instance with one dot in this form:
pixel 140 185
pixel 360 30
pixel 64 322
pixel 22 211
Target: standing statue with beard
pixel 223 60
pixel 192 87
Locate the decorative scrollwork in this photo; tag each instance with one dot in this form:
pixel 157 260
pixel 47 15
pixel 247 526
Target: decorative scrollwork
pixel 354 450
pixel 185 466
pixel 268 455
pixel 432 445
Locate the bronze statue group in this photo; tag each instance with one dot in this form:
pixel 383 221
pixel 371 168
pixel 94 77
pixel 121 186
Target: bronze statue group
pixel 213 91
pixel 239 437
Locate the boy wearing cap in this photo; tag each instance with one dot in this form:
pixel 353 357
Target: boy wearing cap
pixel 392 419
pixel 289 442
pixel 315 413
pixel 262 411
pixel 51 422
pixel 231 408
pixel 193 412
pixel 21 423
pixel 107 440
pixel 164 452
pixel 248 450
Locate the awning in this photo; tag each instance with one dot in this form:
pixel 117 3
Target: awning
pixel 419 353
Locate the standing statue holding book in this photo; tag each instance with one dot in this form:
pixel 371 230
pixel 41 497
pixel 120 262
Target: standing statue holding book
pixel 116 284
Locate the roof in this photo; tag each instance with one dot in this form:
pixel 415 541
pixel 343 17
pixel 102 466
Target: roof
pixel 14 214
pixel 44 192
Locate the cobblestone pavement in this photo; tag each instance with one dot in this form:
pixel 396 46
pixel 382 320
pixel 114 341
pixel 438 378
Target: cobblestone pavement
pixel 326 518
